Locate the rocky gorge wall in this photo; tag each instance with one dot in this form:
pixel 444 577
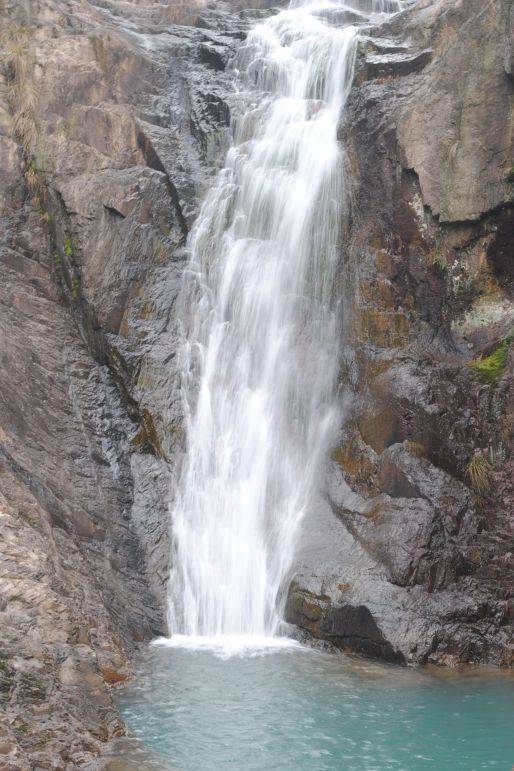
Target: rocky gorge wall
pixel 114 117
pixel 106 140
pixel 427 446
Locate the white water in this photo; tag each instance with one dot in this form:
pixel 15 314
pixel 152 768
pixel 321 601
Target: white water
pixel 262 331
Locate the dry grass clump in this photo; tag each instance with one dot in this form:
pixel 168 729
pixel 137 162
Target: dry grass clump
pixel 32 178
pixel 21 91
pixel 415 448
pixel 479 472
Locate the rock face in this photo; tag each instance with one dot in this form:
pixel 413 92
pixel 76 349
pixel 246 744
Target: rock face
pixel 419 551
pixel 115 116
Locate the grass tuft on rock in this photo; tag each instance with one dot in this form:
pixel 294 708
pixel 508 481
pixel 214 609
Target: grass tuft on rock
pixel 75 287
pixel 491 368
pixel 439 264
pixel 68 247
pixel 18 66
pixel 479 473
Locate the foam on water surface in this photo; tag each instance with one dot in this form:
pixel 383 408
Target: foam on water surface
pixel 226 646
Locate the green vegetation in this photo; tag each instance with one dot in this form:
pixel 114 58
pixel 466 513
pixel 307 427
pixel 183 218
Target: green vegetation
pixel 75 287
pixel 43 738
pixel 491 368
pixel 35 167
pixel 68 247
pixel 479 473
pixel 439 264
pixel 26 518
pixel 21 727
pixel 31 688
pixel 33 178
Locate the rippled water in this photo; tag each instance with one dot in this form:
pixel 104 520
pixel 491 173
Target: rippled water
pixel 296 710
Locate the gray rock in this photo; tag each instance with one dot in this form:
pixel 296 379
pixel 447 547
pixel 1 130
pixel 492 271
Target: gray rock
pixel 400 559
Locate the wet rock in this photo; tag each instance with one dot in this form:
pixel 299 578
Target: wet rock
pixel 459 177
pixel 131 121
pixel 404 533
pixel 396 63
pixel 401 559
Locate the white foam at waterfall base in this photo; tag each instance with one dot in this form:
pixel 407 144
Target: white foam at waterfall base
pixel 226 646
pixel 261 334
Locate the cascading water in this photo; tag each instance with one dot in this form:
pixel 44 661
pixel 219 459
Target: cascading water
pixel 261 332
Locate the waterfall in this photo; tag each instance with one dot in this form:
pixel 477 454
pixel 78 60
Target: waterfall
pixel 261 326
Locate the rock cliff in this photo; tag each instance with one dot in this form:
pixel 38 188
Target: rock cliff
pixel 419 565
pixel 115 114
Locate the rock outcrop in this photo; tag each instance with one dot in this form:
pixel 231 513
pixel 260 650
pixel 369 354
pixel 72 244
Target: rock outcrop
pixel 112 120
pixel 421 503
pixel 114 117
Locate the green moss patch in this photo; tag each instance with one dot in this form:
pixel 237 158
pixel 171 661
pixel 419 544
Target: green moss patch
pixel 68 247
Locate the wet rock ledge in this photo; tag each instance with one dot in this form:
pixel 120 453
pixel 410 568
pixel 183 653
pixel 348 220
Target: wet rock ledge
pixel 114 116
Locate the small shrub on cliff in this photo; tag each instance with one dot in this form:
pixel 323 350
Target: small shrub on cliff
pixel 479 473
pixel 68 247
pixel 491 368
pixel 75 287
pixel 439 264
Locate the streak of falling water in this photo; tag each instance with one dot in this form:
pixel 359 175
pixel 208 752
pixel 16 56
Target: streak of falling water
pixel 261 327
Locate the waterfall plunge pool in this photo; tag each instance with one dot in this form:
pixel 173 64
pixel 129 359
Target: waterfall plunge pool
pixel 296 709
